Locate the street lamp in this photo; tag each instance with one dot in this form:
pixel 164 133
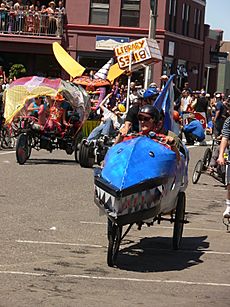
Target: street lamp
pixel 152 34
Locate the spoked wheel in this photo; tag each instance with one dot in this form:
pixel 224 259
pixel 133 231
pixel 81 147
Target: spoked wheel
pixel 179 221
pixel 114 237
pixel 7 141
pixel 23 148
pixel 207 157
pixel 86 155
pixel 29 147
pixel 197 171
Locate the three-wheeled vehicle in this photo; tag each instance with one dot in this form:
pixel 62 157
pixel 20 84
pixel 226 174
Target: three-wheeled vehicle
pixel 30 133
pixel 142 181
pixel 218 173
pixel 202 165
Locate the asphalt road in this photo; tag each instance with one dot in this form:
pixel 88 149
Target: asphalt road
pixel 53 243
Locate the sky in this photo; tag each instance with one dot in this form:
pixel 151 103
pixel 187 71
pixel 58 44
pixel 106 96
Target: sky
pixel 217 15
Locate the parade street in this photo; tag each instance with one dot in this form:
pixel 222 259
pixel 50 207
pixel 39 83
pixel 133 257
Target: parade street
pixel 53 245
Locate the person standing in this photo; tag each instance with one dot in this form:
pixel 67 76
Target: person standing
pixel 221 161
pixel 218 119
pixel 202 103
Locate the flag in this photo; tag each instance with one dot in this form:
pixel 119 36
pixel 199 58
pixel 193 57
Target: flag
pixel 165 102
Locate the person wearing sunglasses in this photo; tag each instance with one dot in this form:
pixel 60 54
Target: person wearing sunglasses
pixel 132 123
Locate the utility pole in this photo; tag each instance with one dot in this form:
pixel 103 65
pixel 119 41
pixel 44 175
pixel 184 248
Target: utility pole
pixel 152 34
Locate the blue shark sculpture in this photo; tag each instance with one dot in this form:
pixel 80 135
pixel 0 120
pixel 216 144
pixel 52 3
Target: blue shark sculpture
pixel 141 179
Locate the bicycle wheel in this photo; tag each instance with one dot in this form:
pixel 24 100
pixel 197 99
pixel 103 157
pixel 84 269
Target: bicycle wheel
pixel 6 141
pixel 197 171
pixel 207 157
pixel 114 237
pixel 22 148
pixel 179 221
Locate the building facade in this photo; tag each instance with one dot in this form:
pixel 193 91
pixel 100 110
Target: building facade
pixel 179 32
pixel 93 27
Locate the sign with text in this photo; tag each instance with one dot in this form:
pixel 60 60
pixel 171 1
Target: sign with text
pixel 141 52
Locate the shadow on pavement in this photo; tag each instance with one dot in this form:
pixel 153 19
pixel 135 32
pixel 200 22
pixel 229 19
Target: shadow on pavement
pixel 50 161
pixel 156 254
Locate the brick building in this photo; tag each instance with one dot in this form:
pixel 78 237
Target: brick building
pixel 93 26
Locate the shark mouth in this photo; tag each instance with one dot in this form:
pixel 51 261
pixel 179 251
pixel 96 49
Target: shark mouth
pixel 118 206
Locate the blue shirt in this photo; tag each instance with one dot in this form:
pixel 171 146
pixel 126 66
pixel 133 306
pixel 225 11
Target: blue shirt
pixel 196 129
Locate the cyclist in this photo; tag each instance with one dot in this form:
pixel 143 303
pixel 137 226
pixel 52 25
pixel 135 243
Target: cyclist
pixel 221 161
pixel 149 118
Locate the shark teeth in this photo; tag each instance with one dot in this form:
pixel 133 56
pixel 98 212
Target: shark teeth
pixel 129 204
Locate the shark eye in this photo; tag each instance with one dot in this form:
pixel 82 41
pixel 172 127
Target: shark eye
pixel 151 153
pixel 120 150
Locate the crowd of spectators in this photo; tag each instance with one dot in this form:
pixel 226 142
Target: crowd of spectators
pixel 32 17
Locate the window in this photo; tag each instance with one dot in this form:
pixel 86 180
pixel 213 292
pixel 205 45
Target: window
pixel 185 19
pixel 130 13
pixel 99 12
pixel 172 15
pixel 197 23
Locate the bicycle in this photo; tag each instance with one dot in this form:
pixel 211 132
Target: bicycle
pixel 7 137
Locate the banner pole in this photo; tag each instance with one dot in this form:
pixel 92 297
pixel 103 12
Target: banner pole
pixel 129 82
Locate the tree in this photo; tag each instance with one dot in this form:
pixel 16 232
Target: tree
pixel 17 71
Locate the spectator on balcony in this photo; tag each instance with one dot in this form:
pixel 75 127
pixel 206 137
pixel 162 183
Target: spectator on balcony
pixel 44 20
pixel 38 4
pixel 37 20
pixel 3 17
pixel 60 14
pixel 11 20
pixel 51 17
pixel 29 19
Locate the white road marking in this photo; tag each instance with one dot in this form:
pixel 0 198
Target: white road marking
pixel 6 161
pixel 206 200
pixel 7 152
pixel 125 279
pixel 207 189
pixel 159 227
pixel 58 243
pixel 100 246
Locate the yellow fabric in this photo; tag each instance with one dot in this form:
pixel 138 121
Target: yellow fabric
pixel 16 97
pixel 72 67
pixel 114 72
pixel 88 126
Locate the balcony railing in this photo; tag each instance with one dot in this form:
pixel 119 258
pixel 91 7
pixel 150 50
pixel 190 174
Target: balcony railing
pixel 27 23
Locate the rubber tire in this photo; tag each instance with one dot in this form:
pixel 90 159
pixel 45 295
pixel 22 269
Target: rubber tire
pixel 6 140
pixel 85 156
pixel 207 157
pixel 114 238
pixel 22 149
pixel 197 171
pixel 29 148
pixel 179 221
pixel 77 147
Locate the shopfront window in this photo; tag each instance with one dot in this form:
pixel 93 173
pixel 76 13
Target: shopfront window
pixel 130 13
pixel 99 12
